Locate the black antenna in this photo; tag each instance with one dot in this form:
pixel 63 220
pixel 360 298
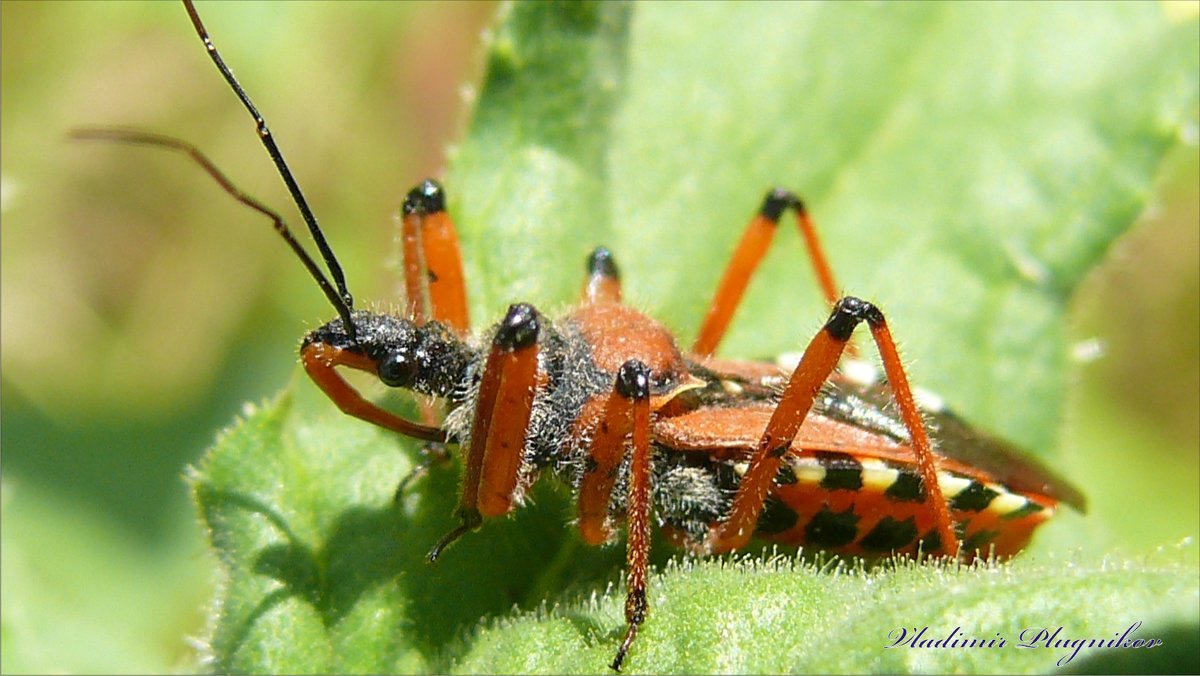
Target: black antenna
pixel 335 270
pixel 137 137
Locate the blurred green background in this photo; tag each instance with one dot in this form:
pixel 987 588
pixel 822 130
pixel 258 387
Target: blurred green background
pixel 141 306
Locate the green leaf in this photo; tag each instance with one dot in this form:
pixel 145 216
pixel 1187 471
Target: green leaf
pixel 796 618
pixel 967 166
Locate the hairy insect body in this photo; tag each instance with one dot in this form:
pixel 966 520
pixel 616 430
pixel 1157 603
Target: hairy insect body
pixel 848 483
pixel 578 359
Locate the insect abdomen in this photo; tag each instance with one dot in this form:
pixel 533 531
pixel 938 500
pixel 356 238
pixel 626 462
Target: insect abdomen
pixel 871 507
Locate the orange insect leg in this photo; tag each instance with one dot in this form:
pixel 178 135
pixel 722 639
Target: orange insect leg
pixel 614 413
pixel 434 284
pixel 922 447
pixel 749 255
pixel 319 361
pixel 502 411
pixel 633 383
pixel 814 369
pixel 508 425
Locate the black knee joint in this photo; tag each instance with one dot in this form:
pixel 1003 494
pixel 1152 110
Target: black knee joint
pixel 633 380
pixel 778 200
pixel 846 315
pixel 601 263
pixel 427 198
pixel 519 328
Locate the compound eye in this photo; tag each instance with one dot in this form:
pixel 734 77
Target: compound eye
pixel 399 369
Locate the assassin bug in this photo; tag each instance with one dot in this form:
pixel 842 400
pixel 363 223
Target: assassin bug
pixel 717 451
